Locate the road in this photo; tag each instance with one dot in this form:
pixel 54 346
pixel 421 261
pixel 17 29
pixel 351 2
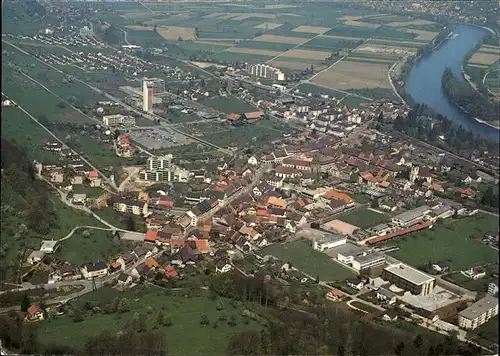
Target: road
pixel 390 78
pixel 151 117
pixel 103 176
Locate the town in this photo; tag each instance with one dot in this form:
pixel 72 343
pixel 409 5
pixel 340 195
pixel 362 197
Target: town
pixel 173 179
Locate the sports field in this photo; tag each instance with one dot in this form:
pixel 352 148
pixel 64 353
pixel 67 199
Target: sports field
pixel 449 242
pixel 308 260
pixel 363 218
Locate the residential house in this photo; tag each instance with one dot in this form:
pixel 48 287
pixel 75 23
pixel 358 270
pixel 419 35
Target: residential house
pixel 387 296
pixel 35 257
pixel 76 180
pixel 440 267
pixel 94 269
pixel 145 251
pixel 390 315
pixel 124 279
pixel 34 313
pixel 170 272
pixel 356 283
pixel 187 255
pixel 96 183
pixel 57 177
pixel 223 266
pixel 253 161
pixel 126 260
pixel 49 246
pixel 79 198
pixel 334 295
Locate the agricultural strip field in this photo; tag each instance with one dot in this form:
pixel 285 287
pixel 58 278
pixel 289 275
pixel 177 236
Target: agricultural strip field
pixel 484 58
pixel 269 25
pixel 363 218
pixel 280 39
pixel 423 35
pixel 311 29
pixel 253 51
pixel 310 261
pixel 283 64
pixel 383 49
pixel 449 242
pixel 354 75
pixel 363 32
pixel 168 33
pixel 306 54
pixel 185 317
pixel 265 45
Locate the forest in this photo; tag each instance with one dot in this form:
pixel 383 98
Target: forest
pixel 27 213
pixel 425 124
pixel 469 99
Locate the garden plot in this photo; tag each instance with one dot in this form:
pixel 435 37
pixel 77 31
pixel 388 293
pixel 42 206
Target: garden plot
pixel 290 65
pixel 354 75
pixel 311 29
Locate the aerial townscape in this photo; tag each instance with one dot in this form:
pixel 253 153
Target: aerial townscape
pixel 249 177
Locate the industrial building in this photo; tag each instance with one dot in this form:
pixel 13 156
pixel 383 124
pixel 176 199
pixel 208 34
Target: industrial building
pixel 358 257
pixel 118 119
pixel 327 241
pixel 265 71
pixel 411 217
pixel 409 279
pixel 478 313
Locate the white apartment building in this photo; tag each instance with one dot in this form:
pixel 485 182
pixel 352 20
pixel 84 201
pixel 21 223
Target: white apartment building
pixel 265 71
pixel 329 241
pixel 478 313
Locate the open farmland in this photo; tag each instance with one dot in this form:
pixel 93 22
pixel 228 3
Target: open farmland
pixel 311 29
pixel 449 242
pixel 306 54
pixel 484 58
pixel 269 25
pixel 262 52
pixel 354 75
pixel 422 35
pixel 310 261
pixel 408 23
pixel 290 65
pixel 168 33
pixel 280 39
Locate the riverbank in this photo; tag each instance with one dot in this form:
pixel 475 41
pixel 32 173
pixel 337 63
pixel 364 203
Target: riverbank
pixel 423 83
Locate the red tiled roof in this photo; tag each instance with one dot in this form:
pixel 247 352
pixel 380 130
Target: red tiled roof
pixel 33 309
pixel 254 114
pixel 202 246
pixel 170 271
pixel 151 235
pixel 262 212
pixel 93 174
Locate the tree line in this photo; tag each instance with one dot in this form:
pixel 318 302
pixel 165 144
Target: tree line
pixel 469 99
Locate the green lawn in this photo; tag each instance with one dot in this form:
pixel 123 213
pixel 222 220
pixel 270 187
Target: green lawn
pixel 363 218
pixel 68 219
pixel 480 285
pixel 450 242
pixel 185 337
pixel 112 216
pixel 307 88
pixel 92 192
pixel 353 101
pixel 79 249
pixel 310 261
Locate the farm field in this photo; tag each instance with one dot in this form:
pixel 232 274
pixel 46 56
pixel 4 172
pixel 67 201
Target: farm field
pixel 449 242
pixel 307 88
pixel 363 218
pixel 354 75
pixel 185 317
pixel 311 29
pixel 484 58
pixel 99 245
pixel 280 39
pixel 312 262
pixel 168 33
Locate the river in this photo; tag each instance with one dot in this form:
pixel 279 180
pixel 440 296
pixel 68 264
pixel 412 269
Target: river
pixel 424 80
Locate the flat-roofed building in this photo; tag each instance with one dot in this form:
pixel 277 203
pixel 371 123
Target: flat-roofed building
pixel 358 257
pixel 411 217
pixel 478 313
pixel 409 279
pixel 327 241
pixel 368 260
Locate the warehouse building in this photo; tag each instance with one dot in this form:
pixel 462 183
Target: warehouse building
pixel 409 279
pixel 478 313
pixel 358 257
pixel 411 217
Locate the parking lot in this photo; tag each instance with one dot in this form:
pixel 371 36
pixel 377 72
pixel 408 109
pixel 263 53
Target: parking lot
pixel 155 139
